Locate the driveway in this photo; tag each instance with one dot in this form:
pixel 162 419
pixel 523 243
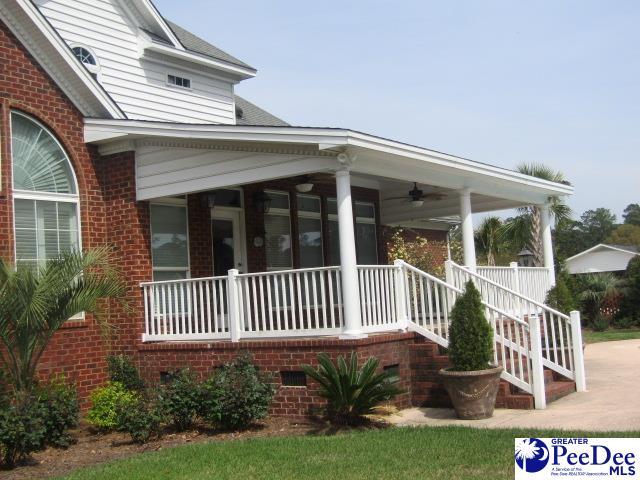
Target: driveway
pixel 611 402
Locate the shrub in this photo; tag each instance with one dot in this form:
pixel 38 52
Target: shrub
pixel 22 429
pixel 631 302
pixel 624 322
pixel 560 296
pixel 600 324
pixel 122 370
pixel 141 419
pixel 470 335
pixel 237 394
pixel 59 402
pixel 180 399
pixel 106 402
pixel 352 393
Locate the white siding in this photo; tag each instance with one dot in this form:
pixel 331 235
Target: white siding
pixel 137 84
pixel 163 171
pixel 604 260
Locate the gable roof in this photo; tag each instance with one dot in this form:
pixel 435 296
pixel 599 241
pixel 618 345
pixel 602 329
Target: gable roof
pixel 254 115
pixel 53 54
pixel 604 246
pixel 195 44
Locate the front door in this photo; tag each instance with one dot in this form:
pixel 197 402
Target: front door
pixel 227 241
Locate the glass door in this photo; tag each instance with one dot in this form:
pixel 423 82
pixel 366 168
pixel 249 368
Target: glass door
pixel 227 242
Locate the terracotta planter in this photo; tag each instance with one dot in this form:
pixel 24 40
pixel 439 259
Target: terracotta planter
pixel 473 394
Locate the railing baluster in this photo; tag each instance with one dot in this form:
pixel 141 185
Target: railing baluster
pixel 331 305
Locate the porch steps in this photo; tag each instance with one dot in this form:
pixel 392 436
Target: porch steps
pixel 426 359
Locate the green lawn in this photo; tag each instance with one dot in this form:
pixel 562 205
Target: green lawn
pixel 610 335
pixel 411 453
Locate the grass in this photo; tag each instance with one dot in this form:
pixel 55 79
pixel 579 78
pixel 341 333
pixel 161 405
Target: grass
pixel 589 336
pixel 395 453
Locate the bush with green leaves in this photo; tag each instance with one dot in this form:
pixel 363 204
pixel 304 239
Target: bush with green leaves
pixel 106 402
pixel 631 303
pixel 470 335
pixel 179 399
pixel 600 324
pixel 237 394
pixel 59 401
pixel 560 296
pixel 352 392
pixel 122 370
pixel 22 429
pixel 142 419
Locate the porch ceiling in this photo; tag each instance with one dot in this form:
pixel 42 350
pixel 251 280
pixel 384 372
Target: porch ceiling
pixel 174 159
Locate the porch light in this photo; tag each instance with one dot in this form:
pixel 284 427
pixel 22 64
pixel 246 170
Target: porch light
pixel 526 258
pixel 305 185
pixel 261 202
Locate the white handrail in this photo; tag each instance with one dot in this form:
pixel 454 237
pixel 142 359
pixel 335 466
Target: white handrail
pixel 429 302
pixel 558 334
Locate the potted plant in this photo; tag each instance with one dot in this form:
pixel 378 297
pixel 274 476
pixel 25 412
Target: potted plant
pixel 472 382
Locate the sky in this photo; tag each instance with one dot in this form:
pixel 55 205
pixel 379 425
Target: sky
pixel 502 82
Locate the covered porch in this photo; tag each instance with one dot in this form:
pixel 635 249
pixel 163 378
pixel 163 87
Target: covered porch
pixel 283 226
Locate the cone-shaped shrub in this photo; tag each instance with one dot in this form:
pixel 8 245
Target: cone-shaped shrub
pixel 470 335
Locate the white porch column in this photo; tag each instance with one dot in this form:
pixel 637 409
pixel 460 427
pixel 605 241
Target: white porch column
pixel 348 260
pixel 468 243
pixel 547 245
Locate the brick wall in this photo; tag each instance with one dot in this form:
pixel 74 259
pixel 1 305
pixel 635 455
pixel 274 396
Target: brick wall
pixel 77 350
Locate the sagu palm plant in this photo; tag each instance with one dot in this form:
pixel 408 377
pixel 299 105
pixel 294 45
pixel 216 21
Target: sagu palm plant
pixel 36 301
pixel 350 392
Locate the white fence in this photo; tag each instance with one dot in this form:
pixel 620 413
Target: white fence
pixel 533 282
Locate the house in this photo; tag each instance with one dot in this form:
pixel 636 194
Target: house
pixel 602 258
pixel 235 230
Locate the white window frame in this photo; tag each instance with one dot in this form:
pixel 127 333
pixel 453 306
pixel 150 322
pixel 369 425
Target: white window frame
pixel 314 216
pixel 283 212
pixel 94 69
pixel 171 202
pixel 72 198
pixel 178 75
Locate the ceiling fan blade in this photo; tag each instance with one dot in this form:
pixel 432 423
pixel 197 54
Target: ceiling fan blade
pixel 396 198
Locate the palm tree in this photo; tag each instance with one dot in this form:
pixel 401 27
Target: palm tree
pixel 525 230
pixel 596 289
pixel 36 301
pixel 489 236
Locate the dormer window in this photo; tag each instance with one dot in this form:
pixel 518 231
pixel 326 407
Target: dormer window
pixel 177 81
pixel 88 59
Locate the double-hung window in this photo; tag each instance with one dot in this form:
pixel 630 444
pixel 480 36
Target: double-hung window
pixel 45 192
pixel 277 228
pixel 169 240
pixel 309 231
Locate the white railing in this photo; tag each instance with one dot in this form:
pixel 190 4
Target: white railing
pixel 378 297
pixel 533 282
pixel 303 302
pixel 528 335
pixel 429 302
pixel 193 309
pixel 560 334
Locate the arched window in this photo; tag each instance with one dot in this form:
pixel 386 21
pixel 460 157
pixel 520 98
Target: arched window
pixel 88 59
pixel 45 193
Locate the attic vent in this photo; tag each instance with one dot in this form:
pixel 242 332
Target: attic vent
pixel 239 112
pixel 177 81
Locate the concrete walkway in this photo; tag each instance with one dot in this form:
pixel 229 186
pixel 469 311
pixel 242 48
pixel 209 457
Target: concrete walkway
pixel 612 401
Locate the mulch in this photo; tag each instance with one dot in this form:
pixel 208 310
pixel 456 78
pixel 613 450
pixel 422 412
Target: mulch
pixel 91 448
